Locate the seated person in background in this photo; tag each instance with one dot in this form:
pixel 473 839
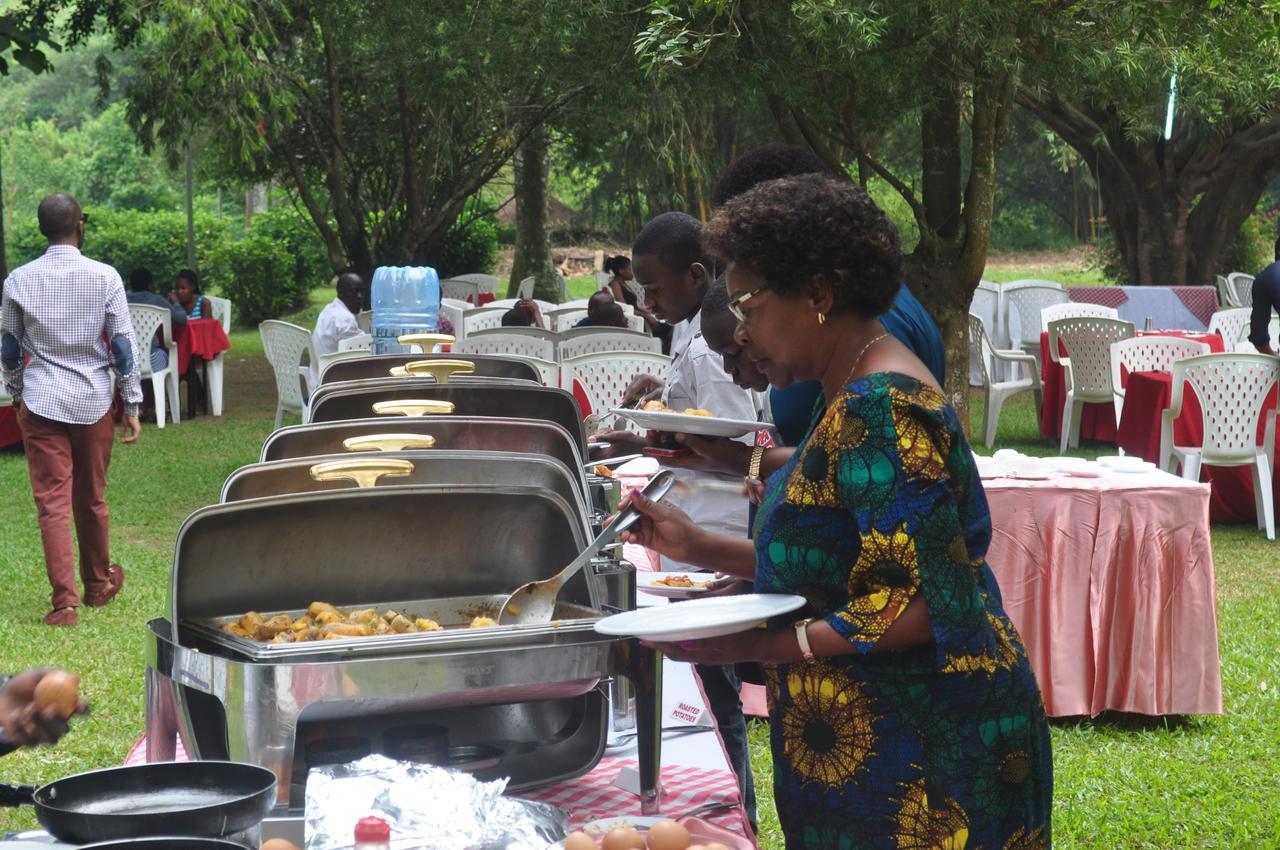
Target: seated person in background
pixel 1266 297
pixel 186 291
pixel 337 321
pixel 525 314
pixel 141 282
pixel 625 290
pixel 603 311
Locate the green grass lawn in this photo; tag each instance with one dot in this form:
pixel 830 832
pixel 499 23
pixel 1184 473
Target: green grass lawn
pixel 1120 782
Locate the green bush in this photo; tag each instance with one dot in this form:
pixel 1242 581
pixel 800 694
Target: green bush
pixel 1253 248
pixel 467 249
pixel 258 274
pixel 294 230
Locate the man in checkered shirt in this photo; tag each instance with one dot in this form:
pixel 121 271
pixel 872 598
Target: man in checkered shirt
pixel 64 326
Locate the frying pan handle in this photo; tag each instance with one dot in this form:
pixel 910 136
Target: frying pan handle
pixel 17 795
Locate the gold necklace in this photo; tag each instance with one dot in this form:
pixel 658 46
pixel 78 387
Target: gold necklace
pixel 858 360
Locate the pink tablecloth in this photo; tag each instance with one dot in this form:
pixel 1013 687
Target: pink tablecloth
pixel 10 433
pixel 1110 582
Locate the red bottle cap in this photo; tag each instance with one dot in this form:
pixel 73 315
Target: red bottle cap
pixel 372 829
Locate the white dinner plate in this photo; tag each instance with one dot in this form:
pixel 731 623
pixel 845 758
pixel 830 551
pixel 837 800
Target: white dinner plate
pixel 648 582
pixel 679 423
pixel 1126 463
pixel 709 616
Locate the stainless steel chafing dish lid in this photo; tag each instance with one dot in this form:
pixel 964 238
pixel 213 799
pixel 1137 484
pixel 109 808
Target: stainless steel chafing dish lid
pixel 462 433
pixel 379 366
pixel 408 386
pixel 355 547
pixel 498 469
pixel 523 402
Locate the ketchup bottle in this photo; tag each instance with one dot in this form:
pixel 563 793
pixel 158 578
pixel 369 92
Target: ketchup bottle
pixel 373 833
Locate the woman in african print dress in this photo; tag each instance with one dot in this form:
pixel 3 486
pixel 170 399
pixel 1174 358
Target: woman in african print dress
pixel 904 711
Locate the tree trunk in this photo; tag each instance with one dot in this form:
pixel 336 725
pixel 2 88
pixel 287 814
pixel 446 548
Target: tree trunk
pixel 255 201
pixel 191 219
pixel 533 251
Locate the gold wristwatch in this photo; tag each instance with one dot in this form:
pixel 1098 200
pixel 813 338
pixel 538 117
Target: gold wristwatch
pixel 753 469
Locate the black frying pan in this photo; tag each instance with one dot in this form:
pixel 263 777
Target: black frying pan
pixel 196 798
pixel 165 843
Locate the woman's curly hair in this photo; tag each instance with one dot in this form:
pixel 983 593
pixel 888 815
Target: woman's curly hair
pixel 796 231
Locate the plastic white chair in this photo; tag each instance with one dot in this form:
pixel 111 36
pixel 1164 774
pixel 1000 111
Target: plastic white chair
pixel 1273 334
pixel 359 342
pixel 1086 366
pixel 1148 354
pixel 602 279
pixel 1232 325
pixel 455 315
pixel 146 321
pixel 1226 298
pixel 525 289
pixel 514 344
pixel 604 376
pixel 580 341
pixel 985 304
pixel 563 320
pixel 507 303
pixel 1241 287
pixel 488 283
pixel 1020 314
pixel 549 369
pixel 459 289
pixel 1232 389
pixel 364 320
pixel 482 319
pixel 996 393
pixel 284 344
pixel 1072 309
pixel 222 311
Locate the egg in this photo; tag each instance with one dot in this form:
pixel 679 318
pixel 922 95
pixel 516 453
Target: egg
pixel 278 844
pixel 668 835
pixel 580 841
pixel 622 838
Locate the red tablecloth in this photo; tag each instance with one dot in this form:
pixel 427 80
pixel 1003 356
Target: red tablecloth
pixel 1110 583
pixel 10 433
pixel 1146 395
pixel 202 337
pixel 483 299
pixel 1099 420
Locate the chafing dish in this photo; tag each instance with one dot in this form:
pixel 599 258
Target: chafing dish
pixel 534 696
pixel 379 366
pixel 525 402
pixel 459 468
pixel 408 383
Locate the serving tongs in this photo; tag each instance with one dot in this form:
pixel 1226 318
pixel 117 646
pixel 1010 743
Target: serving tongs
pixel 535 602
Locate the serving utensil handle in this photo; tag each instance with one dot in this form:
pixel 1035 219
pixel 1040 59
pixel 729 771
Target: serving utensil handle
pixel 441 370
pixel 364 471
pixel 426 341
pixel 413 407
pixel 12 796
pixel 388 442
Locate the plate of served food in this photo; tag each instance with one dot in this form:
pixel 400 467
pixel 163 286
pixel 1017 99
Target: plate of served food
pixel 654 833
pixel 705 617
pixel 675 585
pixel 657 417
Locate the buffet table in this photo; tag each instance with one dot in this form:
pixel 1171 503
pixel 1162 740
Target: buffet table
pixel 1110 582
pixel 1098 419
pixel 1147 395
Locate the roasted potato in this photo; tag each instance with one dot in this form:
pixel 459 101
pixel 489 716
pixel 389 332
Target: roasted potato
pixel 315 609
pixel 250 622
pixel 329 631
pixel 422 624
pixel 325 618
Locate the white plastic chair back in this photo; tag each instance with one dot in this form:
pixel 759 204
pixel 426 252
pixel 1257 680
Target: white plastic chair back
pixel 455 316
pixel 1020 316
pixel 146 320
pixel 483 319
pixel 1232 325
pixel 1232 389
pixel 604 376
pixel 525 289
pixel 563 320
pixel 549 369
pixel 359 342
pixel 575 304
pixel 1088 340
pixel 515 344
pixel 488 283
pixel 284 344
pixel 1148 354
pixel 1226 298
pixel 996 392
pixel 1241 287
pixel 459 289
pixel 221 311
pixel 364 321
pixel 581 341
pixel 464 306
pixel 507 303
pixel 1072 309
pixel 1273 334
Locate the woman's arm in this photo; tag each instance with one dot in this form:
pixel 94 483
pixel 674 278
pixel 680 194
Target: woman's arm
pixel 669 531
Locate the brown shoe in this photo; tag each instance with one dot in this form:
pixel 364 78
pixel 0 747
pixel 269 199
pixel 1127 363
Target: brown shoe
pixel 115 581
pixel 61 617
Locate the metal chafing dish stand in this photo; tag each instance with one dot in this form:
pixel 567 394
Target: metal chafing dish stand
pixel 529 703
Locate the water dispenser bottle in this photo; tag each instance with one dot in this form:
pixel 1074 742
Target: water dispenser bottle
pixel 406 299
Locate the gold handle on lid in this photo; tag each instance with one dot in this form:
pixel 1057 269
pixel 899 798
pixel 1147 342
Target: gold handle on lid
pixel 412 407
pixel 426 341
pixel 398 372
pixel 388 442
pixel 365 472
pixel 441 370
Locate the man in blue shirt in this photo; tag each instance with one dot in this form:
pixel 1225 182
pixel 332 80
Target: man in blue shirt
pixel 1266 297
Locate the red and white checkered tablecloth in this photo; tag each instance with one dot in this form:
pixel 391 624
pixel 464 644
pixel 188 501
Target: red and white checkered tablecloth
pixel 595 795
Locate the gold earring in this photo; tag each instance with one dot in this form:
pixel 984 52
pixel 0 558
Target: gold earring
pixel 822 318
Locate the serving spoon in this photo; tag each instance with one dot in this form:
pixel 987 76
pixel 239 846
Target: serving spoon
pixel 535 602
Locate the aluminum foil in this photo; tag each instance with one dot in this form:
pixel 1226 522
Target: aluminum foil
pixel 428 807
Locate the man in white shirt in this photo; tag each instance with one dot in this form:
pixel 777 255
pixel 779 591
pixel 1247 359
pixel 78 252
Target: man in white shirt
pixel 337 321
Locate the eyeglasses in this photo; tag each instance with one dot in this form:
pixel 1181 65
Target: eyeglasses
pixel 736 302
